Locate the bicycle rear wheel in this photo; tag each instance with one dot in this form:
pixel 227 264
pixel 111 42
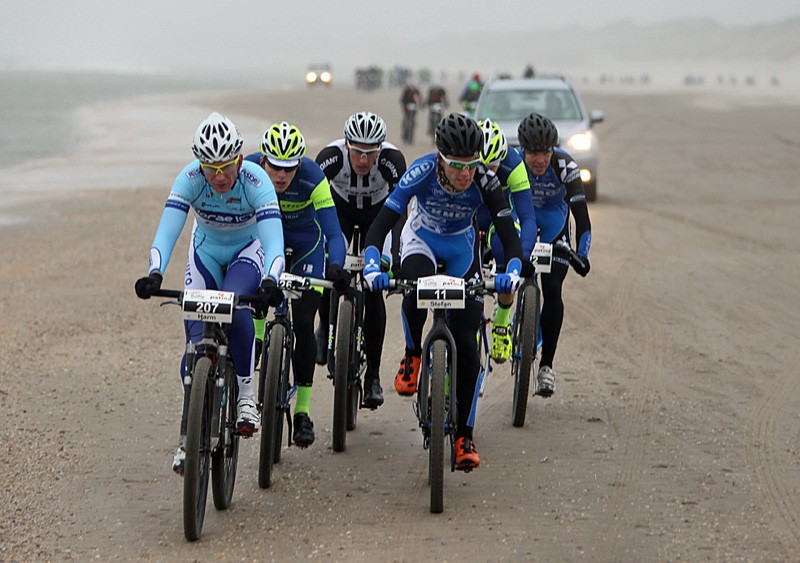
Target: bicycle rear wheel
pixel 225 456
pixel 526 328
pixel 271 417
pixel 436 463
pixel 198 445
pixel 341 374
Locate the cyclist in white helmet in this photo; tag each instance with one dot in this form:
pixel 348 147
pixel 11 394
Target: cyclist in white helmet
pixel 363 169
pixel 236 245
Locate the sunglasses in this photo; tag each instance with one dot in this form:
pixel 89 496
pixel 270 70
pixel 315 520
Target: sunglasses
pixel 363 153
pixel 460 164
pixel 223 168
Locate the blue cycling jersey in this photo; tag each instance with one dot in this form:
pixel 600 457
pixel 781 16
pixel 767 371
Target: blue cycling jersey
pixel 307 206
pixel 225 223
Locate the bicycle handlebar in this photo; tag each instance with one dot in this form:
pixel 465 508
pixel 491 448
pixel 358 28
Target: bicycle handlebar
pixel 574 258
pixel 178 294
pixel 471 287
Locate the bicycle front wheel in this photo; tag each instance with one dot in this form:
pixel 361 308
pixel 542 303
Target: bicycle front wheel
pixel 438 402
pixel 341 374
pixel 526 327
pixel 198 445
pixel 225 456
pixel 271 414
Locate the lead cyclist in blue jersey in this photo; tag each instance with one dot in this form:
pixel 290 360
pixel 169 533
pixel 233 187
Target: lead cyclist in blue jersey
pixel 236 245
pixel 309 218
pixel 557 191
pixel 510 170
pixel 449 186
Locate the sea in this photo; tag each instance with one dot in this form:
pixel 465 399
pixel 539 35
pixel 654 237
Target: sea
pixel 36 107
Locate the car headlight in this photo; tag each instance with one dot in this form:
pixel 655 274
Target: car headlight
pixel 326 77
pixel 581 141
pixel 311 76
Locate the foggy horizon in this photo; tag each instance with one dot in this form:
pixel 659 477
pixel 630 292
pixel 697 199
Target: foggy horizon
pixel 212 37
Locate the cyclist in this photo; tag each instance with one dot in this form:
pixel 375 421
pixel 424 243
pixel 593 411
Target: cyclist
pixel 363 169
pixel 236 245
pixel 308 215
pixel 471 92
pixel 436 95
pixel 513 176
pixel 557 191
pixel 449 186
pixel 410 95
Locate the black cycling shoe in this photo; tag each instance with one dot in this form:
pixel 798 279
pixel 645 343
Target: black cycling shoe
pixel 303 435
pixel 322 346
pixel 373 393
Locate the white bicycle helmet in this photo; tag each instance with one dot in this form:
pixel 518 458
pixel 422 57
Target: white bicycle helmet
pixel 217 140
pixel 366 128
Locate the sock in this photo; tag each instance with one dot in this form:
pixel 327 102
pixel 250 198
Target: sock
pixel 503 315
pixel 245 386
pixel 303 399
pixel 259 325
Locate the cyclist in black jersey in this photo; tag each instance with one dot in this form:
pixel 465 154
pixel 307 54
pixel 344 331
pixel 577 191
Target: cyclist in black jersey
pixel 363 169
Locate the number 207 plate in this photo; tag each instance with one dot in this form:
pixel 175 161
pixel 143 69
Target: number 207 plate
pixel 208 305
pixel 440 292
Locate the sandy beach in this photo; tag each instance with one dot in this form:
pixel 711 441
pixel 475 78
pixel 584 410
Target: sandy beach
pixel 672 434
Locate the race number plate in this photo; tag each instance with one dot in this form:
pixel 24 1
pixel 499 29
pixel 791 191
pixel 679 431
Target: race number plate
pixel 542 257
pixel 208 305
pixel 440 292
pixel 292 281
pixel 353 263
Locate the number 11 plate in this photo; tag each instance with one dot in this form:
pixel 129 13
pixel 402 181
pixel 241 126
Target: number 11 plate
pixel 440 292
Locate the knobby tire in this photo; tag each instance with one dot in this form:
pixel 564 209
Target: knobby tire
pixel 224 459
pixel 526 329
pixel 438 400
pixel 341 369
pixel 198 442
pixel 271 416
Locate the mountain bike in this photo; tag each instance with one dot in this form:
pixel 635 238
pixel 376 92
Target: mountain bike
pixel 209 406
pixel 435 405
pixel 434 117
pixel 409 122
pixel 274 390
pixel 347 361
pixel 525 332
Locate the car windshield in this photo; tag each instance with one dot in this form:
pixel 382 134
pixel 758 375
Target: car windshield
pixel 515 105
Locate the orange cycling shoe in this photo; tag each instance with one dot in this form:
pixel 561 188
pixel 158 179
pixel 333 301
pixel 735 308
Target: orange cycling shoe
pixel 467 457
pixel 405 382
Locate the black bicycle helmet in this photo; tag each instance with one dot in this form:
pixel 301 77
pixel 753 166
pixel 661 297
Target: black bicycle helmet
pixel 537 133
pixel 458 135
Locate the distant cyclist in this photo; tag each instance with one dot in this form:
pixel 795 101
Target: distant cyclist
pixel 557 191
pixel 363 169
pixel 510 169
pixel 471 92
pixel 448 186
pixel 309 218
pixel 236 232
pixel 437 102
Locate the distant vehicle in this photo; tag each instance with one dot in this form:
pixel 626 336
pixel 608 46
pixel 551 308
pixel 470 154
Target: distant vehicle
pixel 509 101
pixel 319 74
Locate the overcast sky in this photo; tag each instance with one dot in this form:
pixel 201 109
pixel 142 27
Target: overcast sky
pixel 210 34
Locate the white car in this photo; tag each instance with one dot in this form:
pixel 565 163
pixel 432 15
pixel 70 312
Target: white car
pixel 508 102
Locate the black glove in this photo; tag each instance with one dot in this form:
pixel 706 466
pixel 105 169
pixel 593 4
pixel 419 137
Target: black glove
pixel 582 266
pixel 270 292
pixel 146 287
pixel 527 269
pixel 338 275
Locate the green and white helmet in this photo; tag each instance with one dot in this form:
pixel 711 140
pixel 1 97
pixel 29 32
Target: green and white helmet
pixel 495 145
pixel 283 145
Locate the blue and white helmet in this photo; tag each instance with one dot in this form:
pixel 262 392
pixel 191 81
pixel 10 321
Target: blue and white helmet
pixel 217 140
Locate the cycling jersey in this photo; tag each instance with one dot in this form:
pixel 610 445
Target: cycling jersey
pixel 224 223
pixel 557 192
pixel 308 213
pixel 440 212
pixel 513 176
pixel 361 191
